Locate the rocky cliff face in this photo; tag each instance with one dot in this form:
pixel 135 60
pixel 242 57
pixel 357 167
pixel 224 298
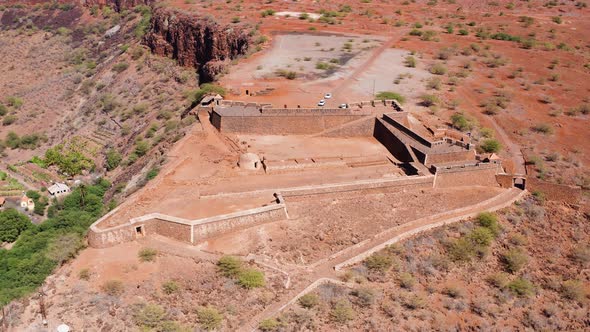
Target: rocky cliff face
pixel 117 5
pixel 195 41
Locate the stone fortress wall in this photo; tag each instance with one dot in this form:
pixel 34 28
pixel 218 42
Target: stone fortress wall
pixel 448 160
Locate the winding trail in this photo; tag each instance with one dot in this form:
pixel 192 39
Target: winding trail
pixel 327 270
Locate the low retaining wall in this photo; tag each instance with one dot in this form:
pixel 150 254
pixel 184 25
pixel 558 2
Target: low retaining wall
pixel 189 231
pixel 467 175
pixel 405 182
pixel 362 256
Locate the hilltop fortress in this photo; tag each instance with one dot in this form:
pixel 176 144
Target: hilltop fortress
pixel 369 146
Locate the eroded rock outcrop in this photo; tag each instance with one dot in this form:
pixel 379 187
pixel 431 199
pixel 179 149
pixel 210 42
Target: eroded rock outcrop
pixel 195 41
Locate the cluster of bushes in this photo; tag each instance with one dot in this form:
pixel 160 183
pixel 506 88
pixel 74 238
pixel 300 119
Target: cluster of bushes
pixel 462 122
pixel 39 249
pixel 248 278
pixel 28 142
pixel 12 224
pixel 70 158
pixel 476 242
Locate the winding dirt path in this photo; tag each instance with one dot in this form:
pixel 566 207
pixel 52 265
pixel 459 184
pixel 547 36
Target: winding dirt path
pixel 326 271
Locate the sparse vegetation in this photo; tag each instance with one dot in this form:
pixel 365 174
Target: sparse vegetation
pixel 209 318
pixel 147 254
pixel 389 95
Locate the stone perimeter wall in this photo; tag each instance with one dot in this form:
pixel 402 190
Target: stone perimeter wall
pixel 188 231
pixel 304 124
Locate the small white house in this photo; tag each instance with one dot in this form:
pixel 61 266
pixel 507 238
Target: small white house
pixel 58 189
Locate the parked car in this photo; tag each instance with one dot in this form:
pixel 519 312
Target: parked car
pixel 322 103
pixel 343 106
pixel 328 96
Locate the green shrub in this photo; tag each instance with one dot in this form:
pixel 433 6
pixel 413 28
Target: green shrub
pixel 521 287
pixel 3 110
pixel 251 278
pixel 269 324
pixel 378 262
pixel 491 145
pixel 229 266
pixel 514 259
pixel 170 287
pixel 453 291
pixel 209 318
pixel 461 121
pixel 147 254
pixel 342 312
pixel 113 159
pixel 13 101
pixel 152 173
pixel 12 224
pixel 556 19
pixel 309 300
pixel 389 95
pixel 490 221
pixel 481 237
pixel 119 67
pixel 113 287
pixel 9 119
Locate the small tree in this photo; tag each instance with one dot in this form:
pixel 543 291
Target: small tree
pixel 491 145
pixel 251 278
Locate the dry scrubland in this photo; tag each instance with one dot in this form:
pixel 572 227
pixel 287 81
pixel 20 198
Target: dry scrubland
pixel 513 73
pixel 480 274
pixel 465 277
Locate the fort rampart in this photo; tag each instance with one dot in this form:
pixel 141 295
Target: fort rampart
pixel 189 231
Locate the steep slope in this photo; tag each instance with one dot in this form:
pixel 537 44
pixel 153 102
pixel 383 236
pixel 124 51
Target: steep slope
pixel 196 41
